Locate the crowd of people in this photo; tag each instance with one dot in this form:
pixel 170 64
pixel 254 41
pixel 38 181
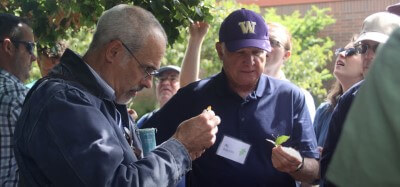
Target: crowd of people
pixel 72 127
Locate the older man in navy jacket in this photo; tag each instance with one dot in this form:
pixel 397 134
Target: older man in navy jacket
pixel 74 129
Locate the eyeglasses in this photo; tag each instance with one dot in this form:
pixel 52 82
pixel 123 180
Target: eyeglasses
pixel 148 70
pixel 171 78
pixel 30 46
pixel 347 52
pixel 363 48
pixel 275 43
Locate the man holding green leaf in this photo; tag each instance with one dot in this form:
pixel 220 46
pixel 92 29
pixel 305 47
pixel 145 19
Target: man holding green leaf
pixel 253 107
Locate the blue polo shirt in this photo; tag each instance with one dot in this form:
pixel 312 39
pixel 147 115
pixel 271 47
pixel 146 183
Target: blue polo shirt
pixel 275 108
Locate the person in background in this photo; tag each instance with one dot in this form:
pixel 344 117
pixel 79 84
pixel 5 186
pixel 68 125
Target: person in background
pixel 191 61
pixel 170 78
pixel 348 70
pixel 74 128
pixel 375 31
pixel 16 56
pixel 253 107
pixel 167 84
pixel 367 153
pixel 281 43
pixel 48 58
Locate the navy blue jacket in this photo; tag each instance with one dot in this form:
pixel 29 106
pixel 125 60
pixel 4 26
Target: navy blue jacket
pixel 336 125
pixel 68 135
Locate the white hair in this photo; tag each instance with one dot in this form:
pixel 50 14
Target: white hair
pixel 130 24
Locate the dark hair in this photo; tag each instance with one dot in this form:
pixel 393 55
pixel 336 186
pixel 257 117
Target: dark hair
pixel 9 25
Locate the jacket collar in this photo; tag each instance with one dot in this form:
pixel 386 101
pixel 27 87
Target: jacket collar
pixel 73 68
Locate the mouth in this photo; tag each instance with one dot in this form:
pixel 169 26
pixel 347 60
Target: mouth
pixel 340 63
pixel 248 71
pixel 132 93
pixel 165 90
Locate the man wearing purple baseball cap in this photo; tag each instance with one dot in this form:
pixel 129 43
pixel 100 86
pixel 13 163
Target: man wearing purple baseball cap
pixel 253 107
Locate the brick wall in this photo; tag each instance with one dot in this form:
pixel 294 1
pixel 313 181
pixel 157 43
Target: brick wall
pixel 349 15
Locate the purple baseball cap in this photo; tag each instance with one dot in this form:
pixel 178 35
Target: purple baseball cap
pixel 244 28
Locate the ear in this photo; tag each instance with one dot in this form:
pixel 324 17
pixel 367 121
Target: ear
pixel 286 56
pixel 220 50
pixel 114 51
pixel 8 47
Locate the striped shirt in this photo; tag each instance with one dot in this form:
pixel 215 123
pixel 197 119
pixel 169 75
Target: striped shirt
pixel 12 94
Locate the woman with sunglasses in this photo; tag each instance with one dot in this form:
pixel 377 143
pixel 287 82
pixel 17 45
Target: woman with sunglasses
pixel 348 70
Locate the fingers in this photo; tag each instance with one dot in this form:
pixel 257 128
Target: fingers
pixel 212 119
pixel 199 29
pixel 289 154
pixel 284 161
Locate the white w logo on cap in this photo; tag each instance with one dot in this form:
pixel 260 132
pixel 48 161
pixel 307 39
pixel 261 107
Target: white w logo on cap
pixel 247 27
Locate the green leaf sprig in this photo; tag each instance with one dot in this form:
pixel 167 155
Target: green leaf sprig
pixel 279 140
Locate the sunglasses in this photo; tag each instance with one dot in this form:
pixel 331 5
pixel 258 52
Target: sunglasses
pixel 30 46
pixel 363 48
pixel 347 52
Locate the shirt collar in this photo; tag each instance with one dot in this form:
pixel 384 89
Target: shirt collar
pixel 108 90
pixel 262 86
pixel 8 75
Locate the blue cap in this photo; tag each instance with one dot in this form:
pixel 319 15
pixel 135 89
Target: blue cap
pixel 244 28
pixel 168 68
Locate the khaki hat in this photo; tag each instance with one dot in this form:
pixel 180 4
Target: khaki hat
pixel 378 26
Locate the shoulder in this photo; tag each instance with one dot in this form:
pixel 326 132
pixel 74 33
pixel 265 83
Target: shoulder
pixel 198 88
pixel 12 88
pixel 278 86
pixel 145 118
pixel 324 106
pixel 58 90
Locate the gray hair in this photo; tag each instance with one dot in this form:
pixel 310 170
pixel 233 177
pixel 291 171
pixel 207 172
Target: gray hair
pixel 130 24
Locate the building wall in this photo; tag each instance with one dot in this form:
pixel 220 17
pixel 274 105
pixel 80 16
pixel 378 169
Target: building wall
pixel 349 15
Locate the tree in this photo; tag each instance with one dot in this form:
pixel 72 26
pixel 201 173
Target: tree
pixel 51 19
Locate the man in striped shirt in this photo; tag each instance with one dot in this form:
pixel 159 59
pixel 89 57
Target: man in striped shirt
pixel 16 57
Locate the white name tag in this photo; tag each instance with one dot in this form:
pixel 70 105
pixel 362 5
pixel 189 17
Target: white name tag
pixel 233 149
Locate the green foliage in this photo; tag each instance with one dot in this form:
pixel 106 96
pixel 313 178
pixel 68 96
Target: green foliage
pixel 51 19
pixel 307 65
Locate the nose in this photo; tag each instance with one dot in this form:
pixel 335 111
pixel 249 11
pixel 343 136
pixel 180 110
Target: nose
pixel 249 59
pixel 33 57
pixel 147 82
pixel 342 54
